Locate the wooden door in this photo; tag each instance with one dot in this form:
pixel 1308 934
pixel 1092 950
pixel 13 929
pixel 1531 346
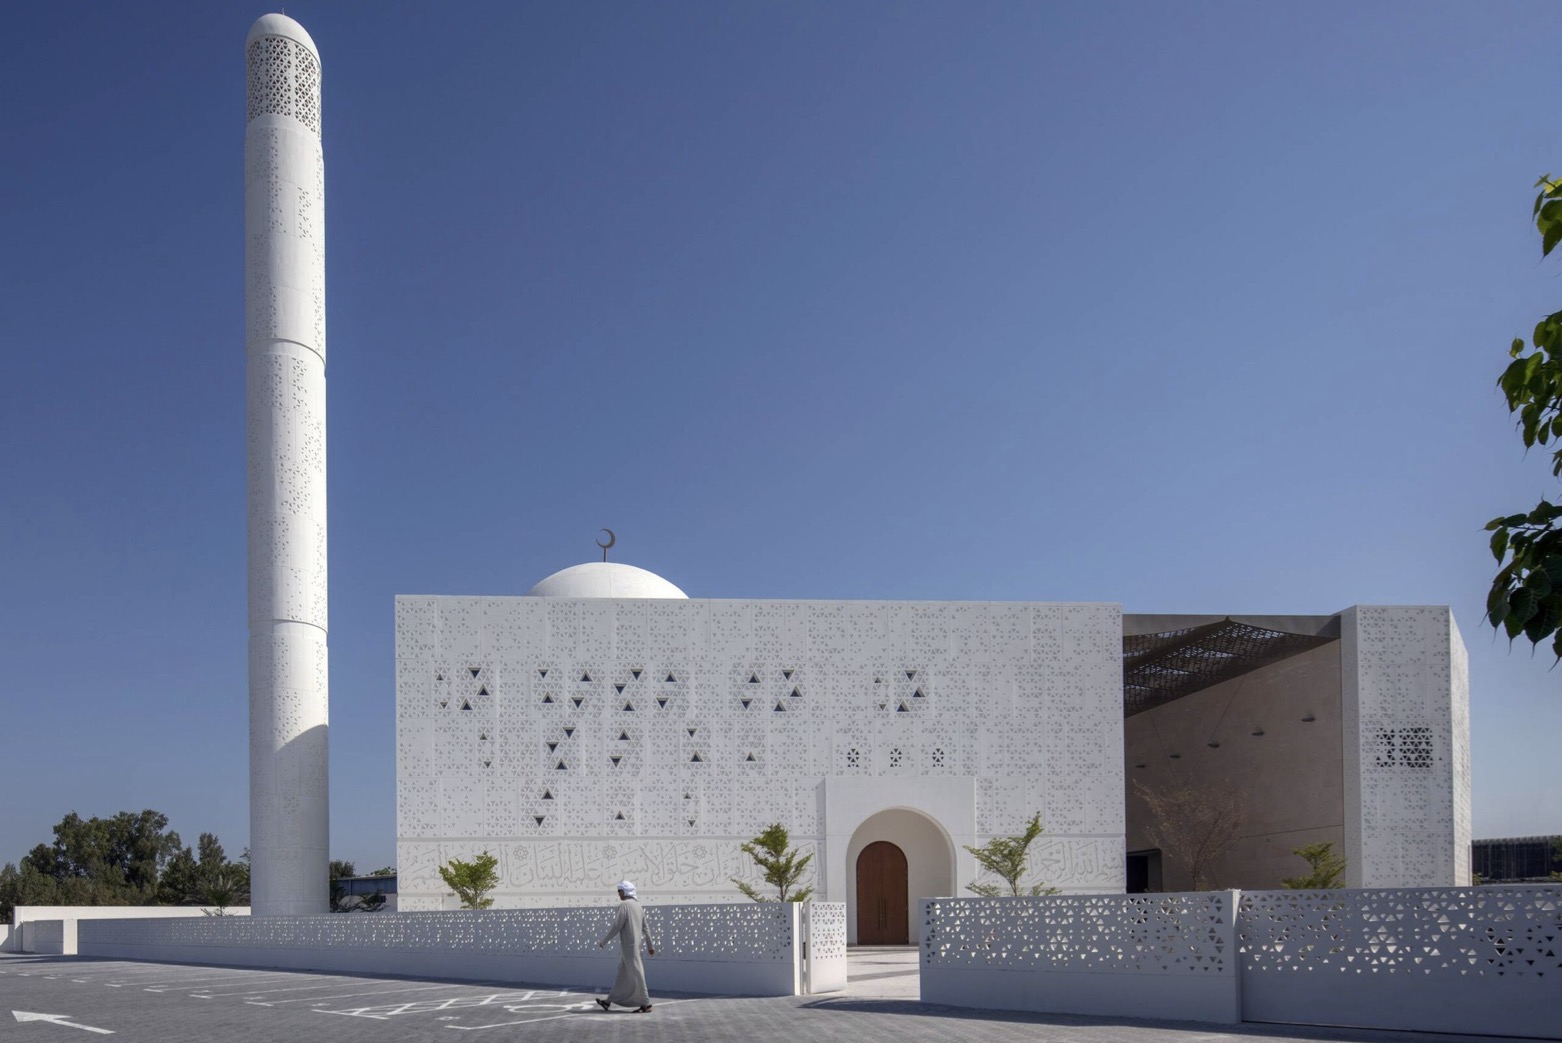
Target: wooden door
pixel 881 895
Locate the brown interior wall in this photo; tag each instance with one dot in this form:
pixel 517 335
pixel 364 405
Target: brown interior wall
pixel 1290 778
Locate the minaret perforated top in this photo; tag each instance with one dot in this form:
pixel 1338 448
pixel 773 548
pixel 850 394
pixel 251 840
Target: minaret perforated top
pixel 284 71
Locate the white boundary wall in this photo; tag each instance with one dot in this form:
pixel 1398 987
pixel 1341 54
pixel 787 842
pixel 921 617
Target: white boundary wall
pixel 1484 960
pixel 1141 956
pixel 1481 960
pixel 728 949
pixel 26 936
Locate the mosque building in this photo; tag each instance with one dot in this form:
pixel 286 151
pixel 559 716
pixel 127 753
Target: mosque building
pixel 606 725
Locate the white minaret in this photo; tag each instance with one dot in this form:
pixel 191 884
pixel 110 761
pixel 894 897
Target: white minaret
pixel 284 235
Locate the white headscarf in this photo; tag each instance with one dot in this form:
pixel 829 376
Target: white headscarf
pixel 626 888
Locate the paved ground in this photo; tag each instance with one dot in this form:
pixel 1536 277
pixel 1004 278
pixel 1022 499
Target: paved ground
pixel 169 1003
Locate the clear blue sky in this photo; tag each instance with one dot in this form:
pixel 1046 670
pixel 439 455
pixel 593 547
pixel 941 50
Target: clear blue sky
pixel 1193 307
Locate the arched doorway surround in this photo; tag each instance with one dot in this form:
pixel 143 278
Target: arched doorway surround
pixel 883 906
pixel 930 865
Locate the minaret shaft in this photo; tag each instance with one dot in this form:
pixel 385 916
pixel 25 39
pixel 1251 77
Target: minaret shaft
pixel 284 229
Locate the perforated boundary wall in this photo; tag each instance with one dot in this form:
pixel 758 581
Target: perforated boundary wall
pixel 728 949
pixel 1482 960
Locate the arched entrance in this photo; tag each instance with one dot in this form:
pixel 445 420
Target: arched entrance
pixel 882 905
pixel 895 858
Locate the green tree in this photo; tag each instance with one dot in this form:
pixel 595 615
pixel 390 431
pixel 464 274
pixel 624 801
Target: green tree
pixel 384 871
pixel 781 864
pixel 1325 869
pixel 471 881
pixel 188 878
pixel 1526 594
pixel 338 870
pixel 1006 858
pixel 100 861
pixel 221 886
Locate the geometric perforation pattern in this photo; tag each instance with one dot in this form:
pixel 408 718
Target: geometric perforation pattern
pixel 749 932
pixel 283 80
pixel 1501 932
pixel 1175 934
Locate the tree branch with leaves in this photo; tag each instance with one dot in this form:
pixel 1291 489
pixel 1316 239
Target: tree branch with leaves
pixel 1007 858
pixel 471 881
pixel 781 864
pixel 1526 594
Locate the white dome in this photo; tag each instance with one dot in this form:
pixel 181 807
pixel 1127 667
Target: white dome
pixel 605 579
pixel 280 25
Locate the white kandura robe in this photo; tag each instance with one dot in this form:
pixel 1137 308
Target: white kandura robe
pixel 629 925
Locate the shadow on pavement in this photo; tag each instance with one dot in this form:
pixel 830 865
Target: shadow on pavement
pixel 851 1005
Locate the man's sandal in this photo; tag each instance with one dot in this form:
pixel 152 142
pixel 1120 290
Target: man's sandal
pixel 605 1005
pixel 644 1010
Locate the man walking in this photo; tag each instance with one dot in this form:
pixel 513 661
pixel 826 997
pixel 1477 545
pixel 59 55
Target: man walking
pixel 629 925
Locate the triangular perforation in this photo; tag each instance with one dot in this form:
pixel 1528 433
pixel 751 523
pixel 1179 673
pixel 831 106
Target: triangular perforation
pixel 629 708
pixel 911 675
pixel 585 675
pixel 745 702
pixel 465 705
pixel 797 693
pixel 619 688
pixel 917 694
pixel 623 736
pixel 691 731
pixel 619 817
pixel 539 818
pixel 569 733
pixel 483 690
pixel 753 678
pixel 542 672
pixel 786 675
pixel 696 759
pixel 661 703
pixel 553 747
pixel 577 700
pixel 902 708
pixel 475 670
pixel 671 679
pixel 749 759
pixel 547 794
pixel 547 699
pixel 635 674
pixel 780 708
pixel 615 759
pixel 560 767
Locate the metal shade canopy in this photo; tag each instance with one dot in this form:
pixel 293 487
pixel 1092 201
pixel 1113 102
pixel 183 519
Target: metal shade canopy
pixel 1158 668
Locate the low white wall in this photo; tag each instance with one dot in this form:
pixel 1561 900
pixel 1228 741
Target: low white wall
pixel 24 935
pixel 47 937
pixel 1142 956
pixel 737 950
pixel 1484 961
pixel 1479 960
pixel 5 937
pixel 824 929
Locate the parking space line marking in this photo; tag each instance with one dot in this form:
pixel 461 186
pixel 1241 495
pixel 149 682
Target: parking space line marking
pixel 377 992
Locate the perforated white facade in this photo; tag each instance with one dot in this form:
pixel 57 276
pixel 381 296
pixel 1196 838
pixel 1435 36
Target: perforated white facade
pixel 284 229
pixel 584 740
pixel 1405 705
